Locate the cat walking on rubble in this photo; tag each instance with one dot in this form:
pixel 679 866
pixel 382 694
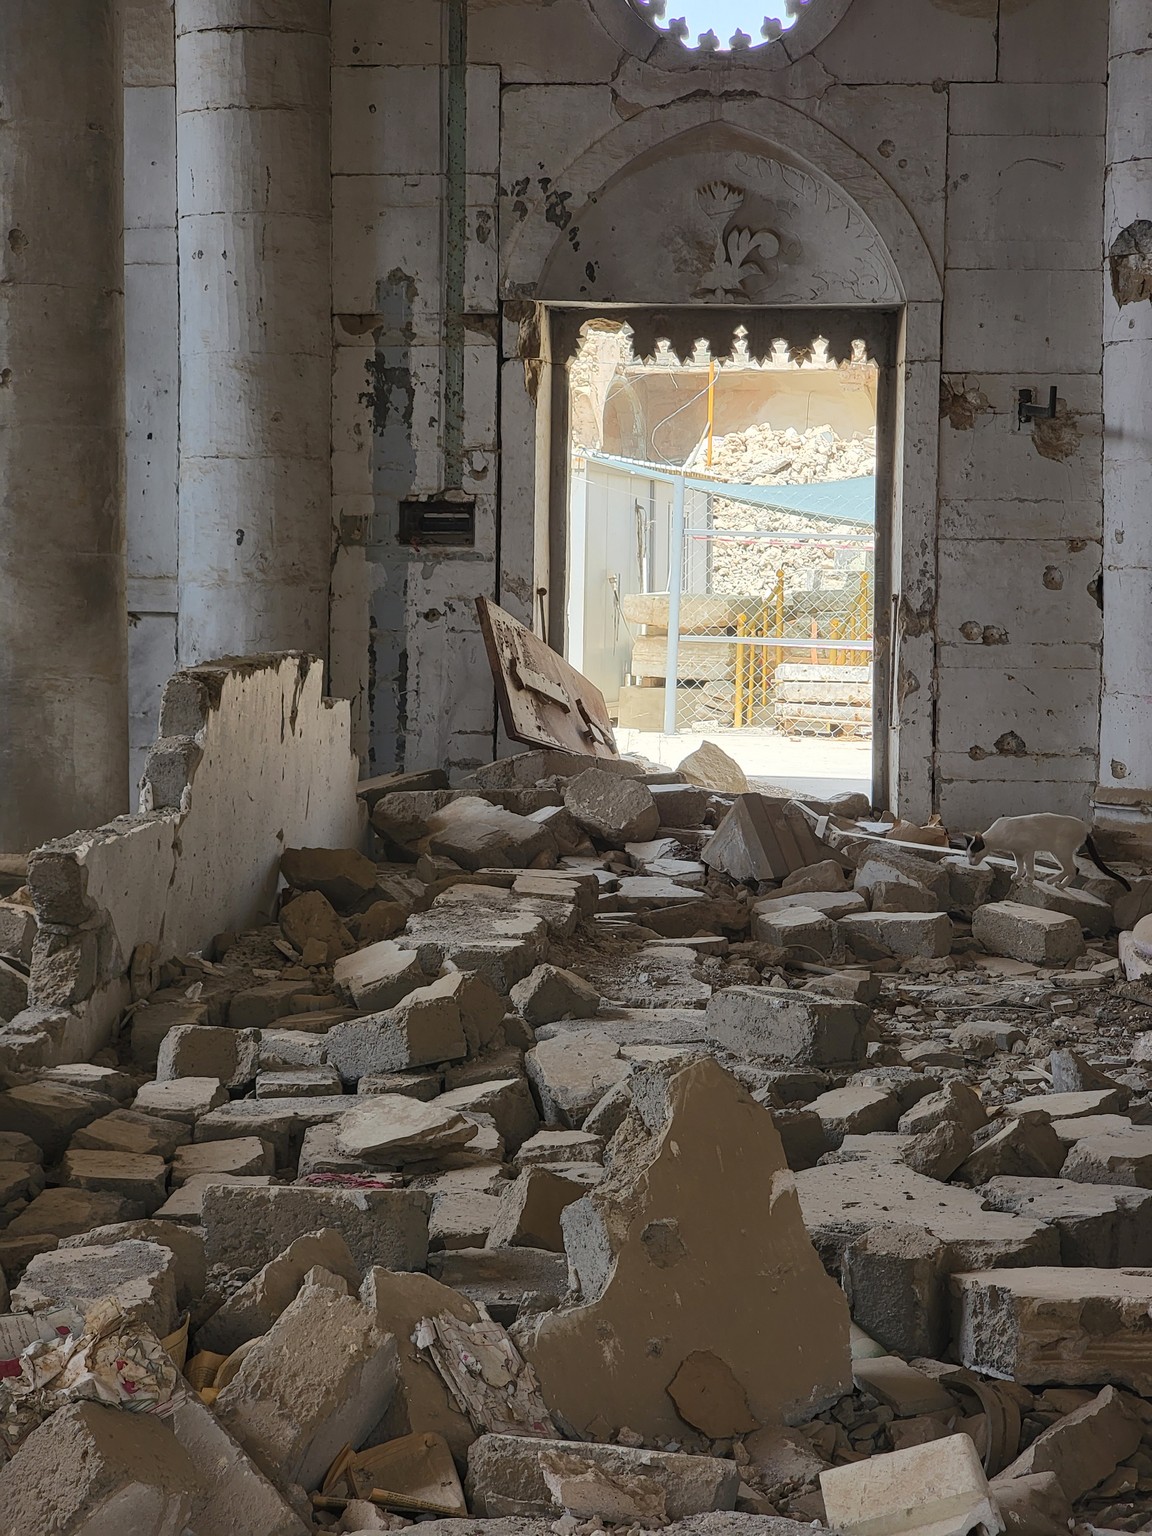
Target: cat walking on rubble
pixel 1025 836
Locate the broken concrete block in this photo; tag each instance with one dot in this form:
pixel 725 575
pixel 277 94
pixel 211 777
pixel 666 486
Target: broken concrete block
pixel 827 875
pixel 231 1493
pixel 905 935
pixel 562 1147
pixel 151 1023
pixel 422 1402
pixel 319 1379
pixel 1072 1074
pixel 414 1085
pixel 185 1245
pixel 1100 1225
pixel 477 835
pixel 186 1204
pixel 181 1098
pixel 508 1100
pixel 246 1225
pixel 901 896
pixel 844 1201
pixel 890 864
pixel 774 1024
pixel 51 1113
pixel 570 1075
pixel 312 916
pixel 249 1312
pixel 745 846
pixel 1067 1106
pixel 938 1488
pixel 1093 914
pixel 128 1130
pixel 200 1051
pixel 140 1277
pixel 257 1007
pixel 1033 1506
pixel 461 1220
pixel 132 1175
pixel 856 1110
pixel 1084 1447
pixel 481 1008
pixel 1027 933
pixel 377 978
pixel 299 1083
pixel 64 1212
pixel 1123 1157
pixel 343 875
pixel 239 1155
pixel 1025 1147
pixel 670 1205
pixel 383 920
pixel 530 1211
pixel 955 1101
pixel 814 937
pixel 939 1152
pixel 833 904
pixel 508 1474
pixel 1062 1327
pixel 549 993
pixel 429 1031
pixel 390 1129
pixel 895 1278
pixel 89 1469
pixel 501 945
pixel 612 809
pixel 712 768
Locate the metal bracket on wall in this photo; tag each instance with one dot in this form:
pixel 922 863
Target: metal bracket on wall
pixel 1027 410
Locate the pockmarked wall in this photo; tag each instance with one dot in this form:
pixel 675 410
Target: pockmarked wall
pixel 252 759
pixel 495 161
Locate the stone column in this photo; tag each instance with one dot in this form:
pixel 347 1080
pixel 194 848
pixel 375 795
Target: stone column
pixel 63 623
pixel 1126 701
pixel 253 105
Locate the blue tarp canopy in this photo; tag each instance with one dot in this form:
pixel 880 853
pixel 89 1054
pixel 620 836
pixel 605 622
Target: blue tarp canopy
pixel 849 501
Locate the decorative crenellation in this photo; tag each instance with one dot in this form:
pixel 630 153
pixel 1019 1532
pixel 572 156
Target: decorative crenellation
pixel 771 29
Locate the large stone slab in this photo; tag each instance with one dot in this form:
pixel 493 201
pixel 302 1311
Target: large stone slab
pixel 669 1247
pixel 1100 1225
pixel 776 1024
pixel 509 1474
pixel 1056 1327
pixel 1027 933
pixel 247 1225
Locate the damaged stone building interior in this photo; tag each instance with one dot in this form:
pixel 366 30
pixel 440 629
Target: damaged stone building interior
pixel 575 767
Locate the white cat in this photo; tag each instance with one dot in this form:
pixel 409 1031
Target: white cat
pixel 1026 836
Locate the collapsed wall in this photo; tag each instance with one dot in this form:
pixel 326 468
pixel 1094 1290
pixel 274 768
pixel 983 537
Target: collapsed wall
pixel 251 759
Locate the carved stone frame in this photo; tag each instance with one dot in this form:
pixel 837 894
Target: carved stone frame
pixel 681 328
pixel 627 26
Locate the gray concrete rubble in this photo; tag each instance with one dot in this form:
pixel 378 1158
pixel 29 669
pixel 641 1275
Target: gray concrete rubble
pixel 785 1189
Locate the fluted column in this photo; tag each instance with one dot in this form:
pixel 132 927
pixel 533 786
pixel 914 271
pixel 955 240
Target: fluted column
pixel 1126 702
pixel 63 624
pixel 253 103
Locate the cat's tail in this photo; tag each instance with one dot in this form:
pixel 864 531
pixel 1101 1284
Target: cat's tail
pixel 1100 864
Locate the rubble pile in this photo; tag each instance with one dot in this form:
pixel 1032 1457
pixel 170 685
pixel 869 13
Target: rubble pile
pixel 602 1148
pixel 764 456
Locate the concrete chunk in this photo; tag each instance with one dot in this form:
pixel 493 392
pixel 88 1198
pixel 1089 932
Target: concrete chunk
pixel 423 1028
pixel 938 1489
pixel 201 1051
pixel 51 1113
pixel 240 1155
pixel 1027 933
pixel 250 1311
pixel 571 1075
pixel 613 809
pixel 231 1493
pixel 247 1225
pixel 128 1130
pixel 182 1098
pixel 549 993
pixel 530 1211
pixel 1061 1327
pixel 132 1175
pixel 507 1474
pixel 185 1245
pixel 65 1212
pixel 1083 1447
pixel 774 1024
pixel 343 875
pixel 905 935
pixel 88 1470
pixel 389 1129
pixel 666 1247
pixel 1100 1225
pixel 1122 1157
pixel 477 835
pixel 377 977
pixel 321 1377
pixel 508 1100
pixel 814 936
pixel 141 1277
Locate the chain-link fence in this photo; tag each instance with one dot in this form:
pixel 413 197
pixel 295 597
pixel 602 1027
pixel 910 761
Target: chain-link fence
pixel 765 621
